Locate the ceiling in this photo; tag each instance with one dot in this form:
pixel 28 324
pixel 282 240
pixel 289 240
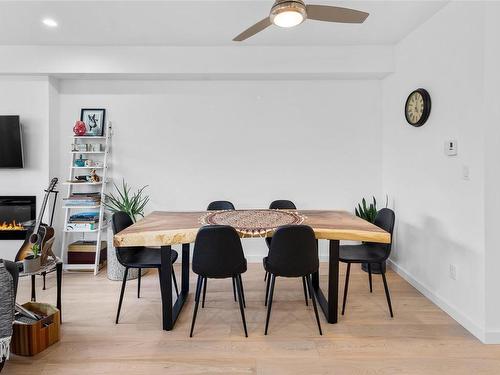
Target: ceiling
pixel 199 23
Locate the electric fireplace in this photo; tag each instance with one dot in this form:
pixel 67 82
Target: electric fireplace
pixel 17 214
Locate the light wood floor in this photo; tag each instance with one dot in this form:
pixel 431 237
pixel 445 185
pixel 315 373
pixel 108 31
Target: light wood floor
pixel 421 339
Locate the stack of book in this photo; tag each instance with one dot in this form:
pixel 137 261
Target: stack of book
pixel 83 252
pixel 83 221
pixel 83 199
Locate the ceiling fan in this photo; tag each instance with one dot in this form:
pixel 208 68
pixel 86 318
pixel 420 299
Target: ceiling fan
pixel 289 13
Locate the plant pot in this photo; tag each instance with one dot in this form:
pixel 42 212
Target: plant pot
pixel 115 270
pixel 32 264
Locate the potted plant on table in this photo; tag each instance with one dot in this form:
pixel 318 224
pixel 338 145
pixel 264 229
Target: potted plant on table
pixel 32 263
pixel 133 203
pixel 368 213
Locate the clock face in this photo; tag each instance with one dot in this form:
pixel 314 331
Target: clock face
pixel 417 108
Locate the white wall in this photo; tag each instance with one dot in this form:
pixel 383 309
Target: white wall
pixel 440 216
pixel 27 97
pixel 316 143
pixel 492 175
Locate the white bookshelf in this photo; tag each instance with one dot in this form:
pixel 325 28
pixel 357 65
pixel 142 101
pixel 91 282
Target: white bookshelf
pixel 87 167
pixel 83 183
pixel 70 234
pixel 88 152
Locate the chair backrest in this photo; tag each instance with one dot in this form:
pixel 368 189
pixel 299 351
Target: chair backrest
pixel 220 205
pixel 282 204
pixel 218 252
pixel 293 252
pixel 385 220
pixel 120 221
pixel 13 269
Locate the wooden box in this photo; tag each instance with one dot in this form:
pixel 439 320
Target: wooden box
pixel 31 339
pixel 83 252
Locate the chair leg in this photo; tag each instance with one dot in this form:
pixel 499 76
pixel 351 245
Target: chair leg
pixel 270 302
pixel 346 286
pixel 265 276
pixel 268 285
pixel 241 299
pixel 305 289
pixel 370 276
pixel 125 274
pixel 174 279
pixel 204 294
pixel 387 293
pixel 234 290
pixel 44 274
pixel 242 291
pixel 139 284
pixel 313 298
pixel 197 301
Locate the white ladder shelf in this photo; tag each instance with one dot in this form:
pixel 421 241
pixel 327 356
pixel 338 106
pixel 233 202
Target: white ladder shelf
pixel 102 185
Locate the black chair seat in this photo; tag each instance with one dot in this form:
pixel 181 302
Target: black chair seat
pixel 143 257
pixel 211 273
pixel 294 269
pixel 364 253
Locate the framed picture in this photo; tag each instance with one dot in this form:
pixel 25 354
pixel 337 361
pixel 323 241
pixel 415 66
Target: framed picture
pixel 94 121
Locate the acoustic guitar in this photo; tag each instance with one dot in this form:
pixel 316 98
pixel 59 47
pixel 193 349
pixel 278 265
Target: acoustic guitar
pixel 41 233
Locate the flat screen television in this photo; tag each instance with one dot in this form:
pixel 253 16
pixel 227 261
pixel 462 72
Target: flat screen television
pixel 11 142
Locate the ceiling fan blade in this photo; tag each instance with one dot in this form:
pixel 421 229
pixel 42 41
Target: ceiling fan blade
pixel 252 30
pixel 335 14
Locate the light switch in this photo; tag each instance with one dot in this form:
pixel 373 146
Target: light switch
pixel 451 147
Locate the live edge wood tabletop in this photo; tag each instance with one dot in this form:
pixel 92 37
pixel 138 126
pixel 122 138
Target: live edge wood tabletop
pixel 165 229
pixel 161 228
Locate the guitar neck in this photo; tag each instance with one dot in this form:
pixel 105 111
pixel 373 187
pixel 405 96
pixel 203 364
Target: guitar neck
pixel 42 212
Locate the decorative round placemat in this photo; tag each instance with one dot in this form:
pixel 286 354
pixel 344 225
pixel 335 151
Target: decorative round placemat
pixel 253 222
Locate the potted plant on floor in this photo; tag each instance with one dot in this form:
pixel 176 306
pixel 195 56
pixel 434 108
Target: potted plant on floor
pixel 368 213
pixel 133 204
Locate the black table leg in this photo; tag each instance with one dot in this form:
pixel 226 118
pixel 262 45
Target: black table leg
pixel 169 312
pixel 33 293
pixel 59 269
pixel 185 268
pixel 330 305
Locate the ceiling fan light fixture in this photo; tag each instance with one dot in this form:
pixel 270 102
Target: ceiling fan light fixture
pixel 288 13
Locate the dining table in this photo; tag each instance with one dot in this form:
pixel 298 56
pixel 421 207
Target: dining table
pixel 164 229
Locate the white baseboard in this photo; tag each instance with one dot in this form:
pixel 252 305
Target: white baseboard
pixel 492 337
pixel 448 308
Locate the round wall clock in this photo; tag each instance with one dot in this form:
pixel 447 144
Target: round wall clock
pixel 418 107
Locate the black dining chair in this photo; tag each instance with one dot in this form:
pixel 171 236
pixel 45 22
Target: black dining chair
pixel 218 254
pixel 293 253
pixel 219 206
pixel 280 204
pixel 283 204
pixel 137 257
pixel 370 253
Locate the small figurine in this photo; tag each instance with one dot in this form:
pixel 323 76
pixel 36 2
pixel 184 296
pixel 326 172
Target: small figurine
pixel 94 177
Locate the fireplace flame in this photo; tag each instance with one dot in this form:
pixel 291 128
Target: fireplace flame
pixel 11 226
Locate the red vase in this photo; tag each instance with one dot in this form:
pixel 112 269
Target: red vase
pixel 79 128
